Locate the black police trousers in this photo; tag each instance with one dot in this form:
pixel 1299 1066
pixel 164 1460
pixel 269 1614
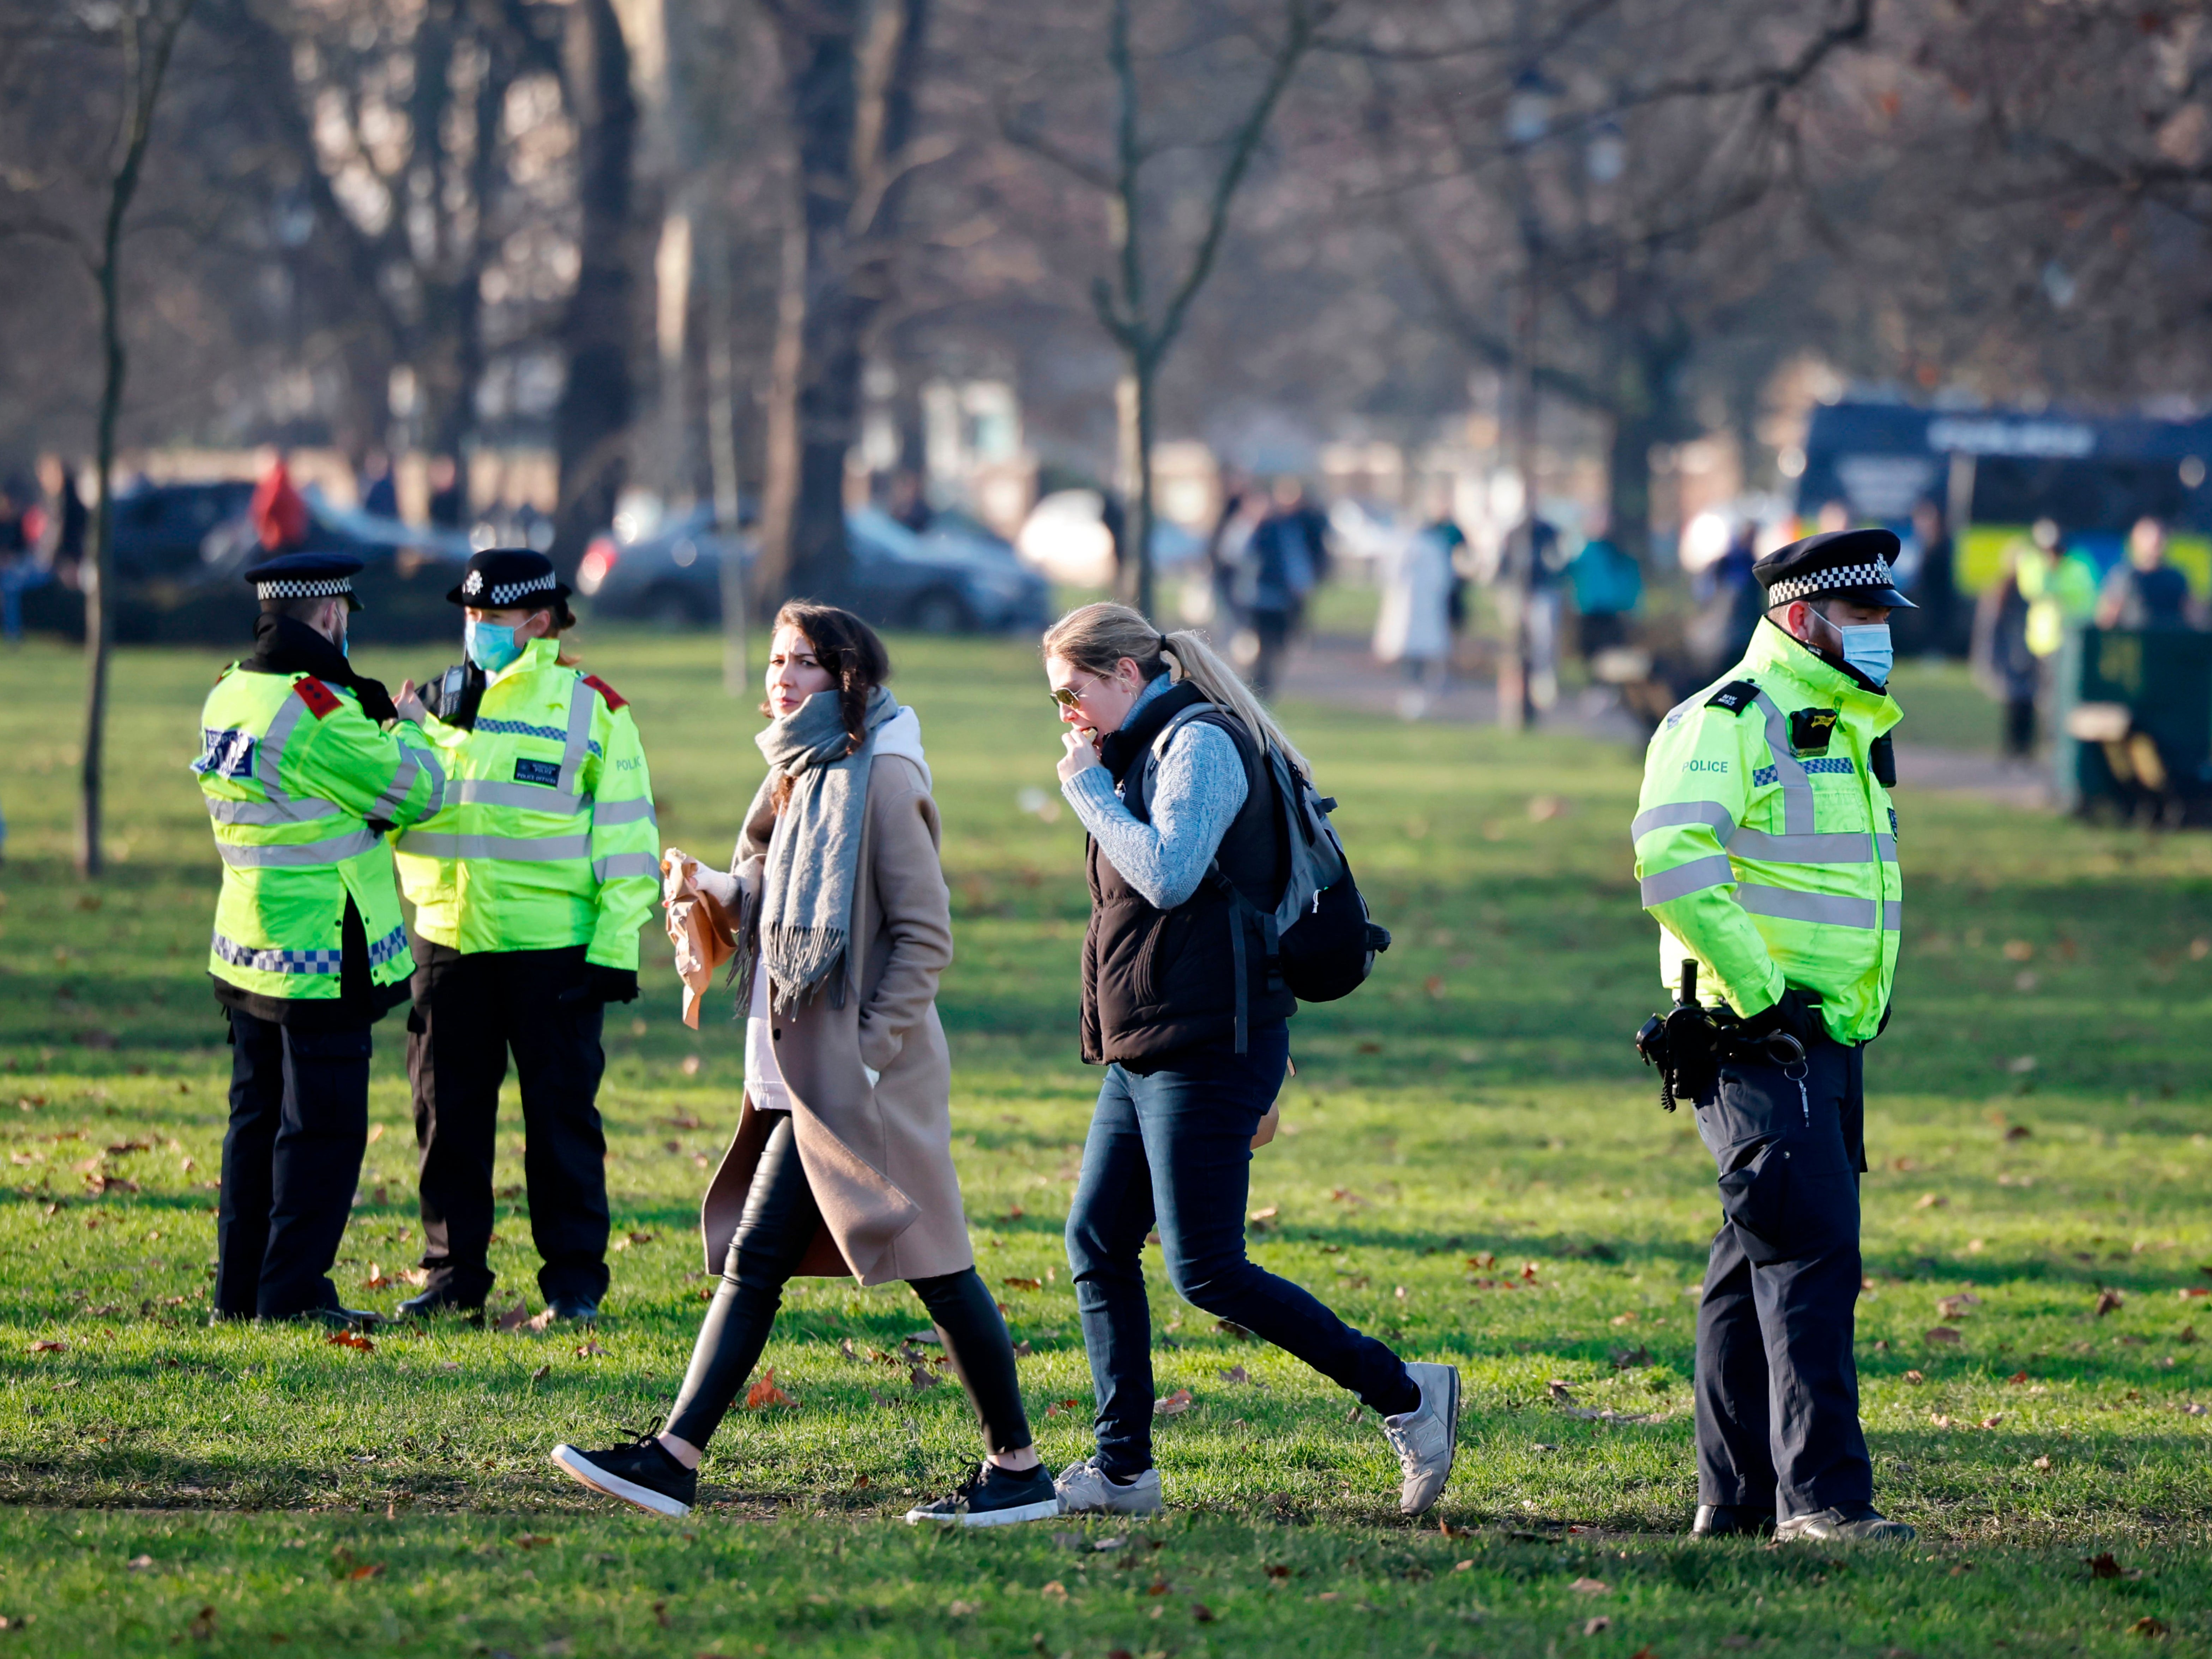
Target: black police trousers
pixel 291 1156
pixel 1777 1397
pixel 779 1222
pixel 470 1009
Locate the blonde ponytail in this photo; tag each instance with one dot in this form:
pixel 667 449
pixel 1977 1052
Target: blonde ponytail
pixel 1096 637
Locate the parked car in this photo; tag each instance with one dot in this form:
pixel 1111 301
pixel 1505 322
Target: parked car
pixel 159 527
pixel 956 583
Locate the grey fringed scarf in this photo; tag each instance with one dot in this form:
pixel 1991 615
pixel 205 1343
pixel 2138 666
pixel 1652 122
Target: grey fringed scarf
pixel 814 862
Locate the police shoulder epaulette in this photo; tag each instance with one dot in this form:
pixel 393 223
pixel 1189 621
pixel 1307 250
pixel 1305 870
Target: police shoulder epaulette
pixel 1735 697
pixel 319 698
pixel 615 699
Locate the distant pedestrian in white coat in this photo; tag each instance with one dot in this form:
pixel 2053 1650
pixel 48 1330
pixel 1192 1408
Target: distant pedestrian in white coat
pixel 1414 624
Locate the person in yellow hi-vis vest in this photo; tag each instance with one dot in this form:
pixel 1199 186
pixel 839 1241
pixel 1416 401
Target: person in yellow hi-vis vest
pixel 1766 850
pixel 304 766
pixel 529 888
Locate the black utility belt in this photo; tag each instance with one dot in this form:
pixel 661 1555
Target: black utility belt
pixel 1690 1043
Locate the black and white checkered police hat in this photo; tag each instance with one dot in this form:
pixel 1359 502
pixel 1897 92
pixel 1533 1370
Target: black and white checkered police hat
pixel 499 577
pixel 1836 564
pixel 306 576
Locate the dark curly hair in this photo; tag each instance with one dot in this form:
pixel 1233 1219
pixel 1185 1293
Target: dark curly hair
pixel 854 656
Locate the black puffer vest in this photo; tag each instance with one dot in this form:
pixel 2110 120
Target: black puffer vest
pixel 1155 981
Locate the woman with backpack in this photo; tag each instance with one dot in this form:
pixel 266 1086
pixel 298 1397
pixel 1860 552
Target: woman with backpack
pixel 1167 766
pixel 842 1160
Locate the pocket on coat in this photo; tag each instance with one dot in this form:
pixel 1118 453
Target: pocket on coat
pixel 1755 1197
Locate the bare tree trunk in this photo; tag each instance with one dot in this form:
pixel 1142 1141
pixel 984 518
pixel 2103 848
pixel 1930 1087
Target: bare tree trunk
pixel 145 64
pixel 591 423
pixel 850 71
pixel 722 436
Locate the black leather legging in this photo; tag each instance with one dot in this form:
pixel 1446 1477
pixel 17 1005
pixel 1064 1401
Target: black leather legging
pixel 779 1222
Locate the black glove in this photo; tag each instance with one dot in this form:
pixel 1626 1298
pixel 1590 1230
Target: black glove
pixel 600 984
pixel 1796 1014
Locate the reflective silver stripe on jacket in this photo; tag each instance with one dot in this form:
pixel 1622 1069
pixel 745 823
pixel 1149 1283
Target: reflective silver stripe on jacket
pixel 531 797
pixel 618 865
pixel 1886 846
pixel 624 811
pixel 1833 847
pixel 388 805
pixel 1686 879
pixel 1827 909
pixel 335 850
pixel 1683 812
pixel 581 698
pixel 1796 791
pixel 271 814
pixel 268 760
pixel 520 850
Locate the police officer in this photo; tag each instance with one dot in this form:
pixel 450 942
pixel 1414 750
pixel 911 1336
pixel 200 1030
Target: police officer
pixel 301 777
pixel 1766 848
pixel 529 887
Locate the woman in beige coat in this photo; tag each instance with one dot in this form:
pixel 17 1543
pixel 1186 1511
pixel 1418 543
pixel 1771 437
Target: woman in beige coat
pixel 842 1161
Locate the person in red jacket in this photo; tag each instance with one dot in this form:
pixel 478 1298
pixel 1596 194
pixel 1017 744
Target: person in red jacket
pixel 280 516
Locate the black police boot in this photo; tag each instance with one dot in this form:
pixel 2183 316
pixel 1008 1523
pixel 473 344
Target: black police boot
pixel 1859 1523
pixel 581 1308
pixel 339 1319
pixel 440 1299
pixel 1731 1520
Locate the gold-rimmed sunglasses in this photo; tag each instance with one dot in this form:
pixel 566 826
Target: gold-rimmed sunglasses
pixel 1067 695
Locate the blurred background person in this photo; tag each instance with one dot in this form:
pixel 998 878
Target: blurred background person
pixel 907 501
pixel 1284 563
pixel 2143 591
pixel 447 507
pixel 2060 586
pixel 380 490
pixel 280 518
pixel 17 534
pixel 1412 627
pixel 59 543
pixel 1932 630
pixel 2008 669
pixel 1243 504
pixel 1607 585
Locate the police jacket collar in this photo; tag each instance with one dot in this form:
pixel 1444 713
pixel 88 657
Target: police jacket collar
pixel 285 645
pixel 1774 650
pixel 536 654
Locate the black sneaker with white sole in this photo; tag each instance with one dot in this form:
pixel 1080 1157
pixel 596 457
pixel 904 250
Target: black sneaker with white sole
pixel 643 1473
pixel 993 1497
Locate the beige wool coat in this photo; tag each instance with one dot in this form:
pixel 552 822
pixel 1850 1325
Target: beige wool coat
pixel 879 1159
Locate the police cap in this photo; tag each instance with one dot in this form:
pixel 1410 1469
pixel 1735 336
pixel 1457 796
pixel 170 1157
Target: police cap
pixel 306 576
pixel 499 577
pixel 1836 564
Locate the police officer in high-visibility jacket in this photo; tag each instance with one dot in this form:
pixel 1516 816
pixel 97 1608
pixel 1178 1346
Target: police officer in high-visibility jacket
pixel 1766 849
pixel 529 887
pixel 303 767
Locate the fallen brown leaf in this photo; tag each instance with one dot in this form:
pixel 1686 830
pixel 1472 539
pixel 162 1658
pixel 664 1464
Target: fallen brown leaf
pixel 1590 1587
pixel 589 1349
pixel 2107 1301
pixel 49 1344
pixel 1939 1335
pixel 1236 1374
pixel 350 1340
pixel 764 1393
pixel 1593 1626
pixel 1023 1283
pixel 1174 1405
pixel 514 1318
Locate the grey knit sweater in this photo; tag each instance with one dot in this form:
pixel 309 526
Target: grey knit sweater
pixel 1196 794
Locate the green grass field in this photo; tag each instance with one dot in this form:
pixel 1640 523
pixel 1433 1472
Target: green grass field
pixel 1474 1167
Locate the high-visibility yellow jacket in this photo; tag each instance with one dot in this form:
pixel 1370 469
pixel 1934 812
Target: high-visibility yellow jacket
pixel 547 837
pixel 292 770
pixel 1765 846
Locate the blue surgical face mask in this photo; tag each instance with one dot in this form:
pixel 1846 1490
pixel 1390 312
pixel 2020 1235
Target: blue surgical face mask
pixel 490 646
pixel 1867 649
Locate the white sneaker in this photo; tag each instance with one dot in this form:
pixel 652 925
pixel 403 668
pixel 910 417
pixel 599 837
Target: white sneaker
pixel 1426 1438
pixel 1085 1489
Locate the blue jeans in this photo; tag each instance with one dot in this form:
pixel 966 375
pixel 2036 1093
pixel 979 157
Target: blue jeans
pixel 1171 1146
